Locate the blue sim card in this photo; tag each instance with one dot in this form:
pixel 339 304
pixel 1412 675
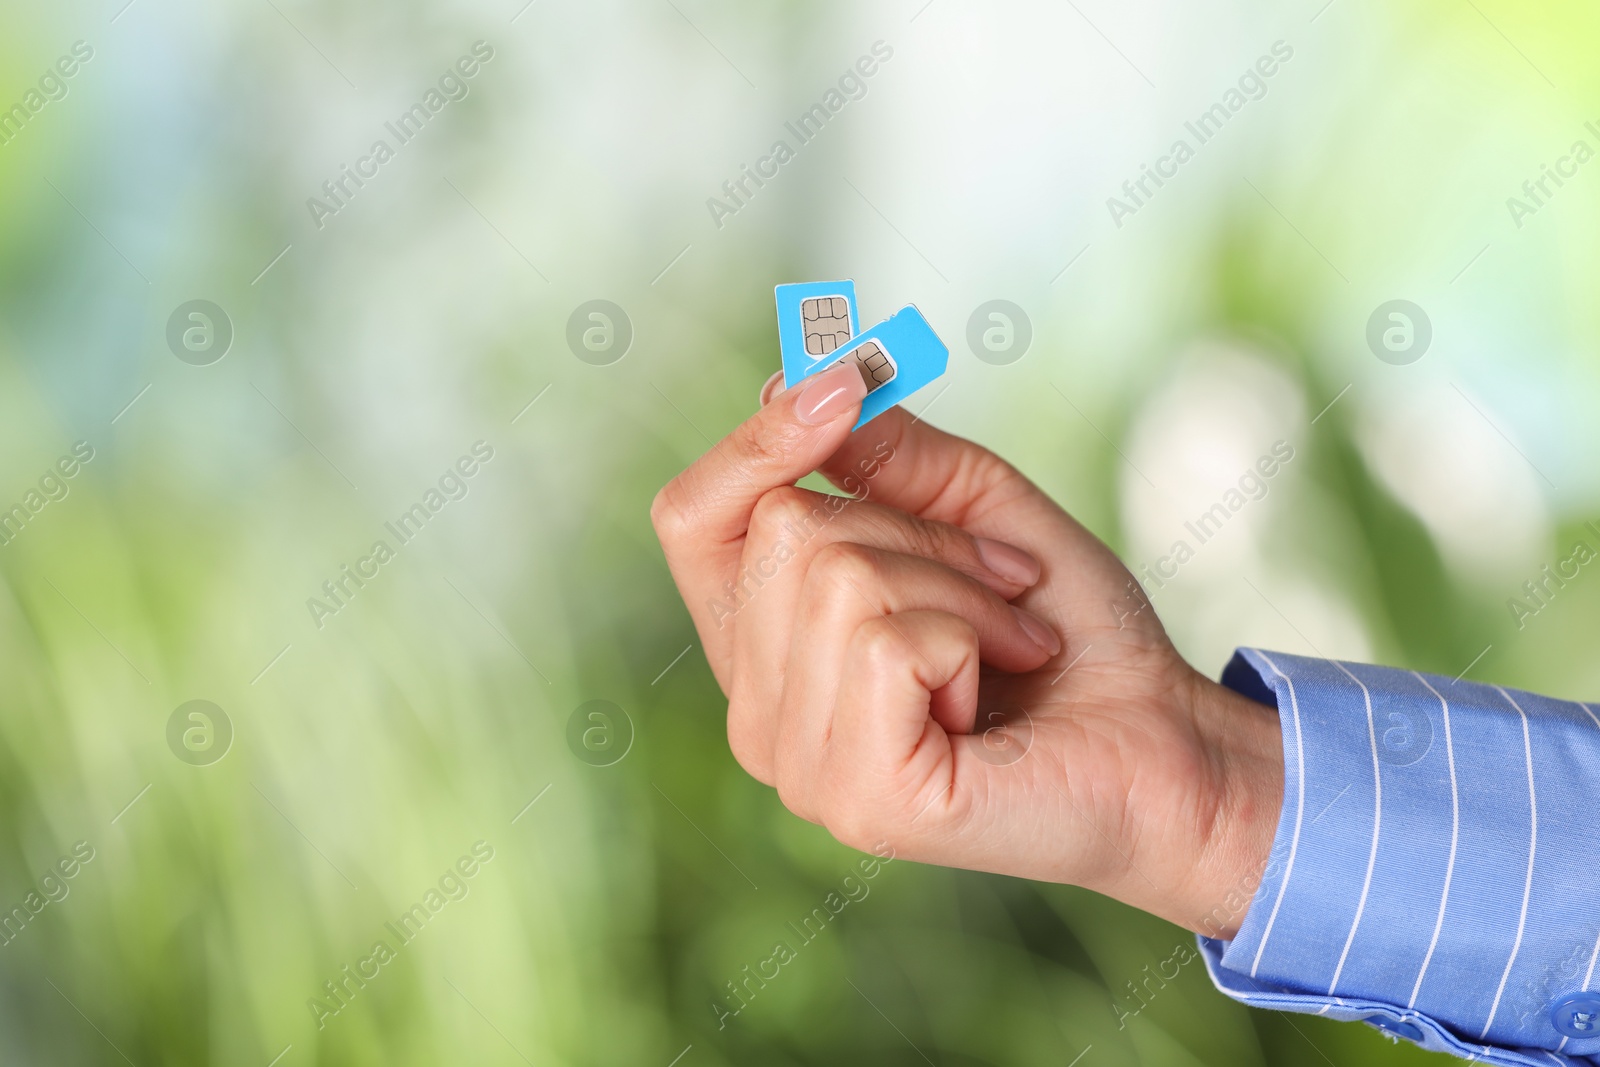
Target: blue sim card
pixel 814 318
pixel 896 357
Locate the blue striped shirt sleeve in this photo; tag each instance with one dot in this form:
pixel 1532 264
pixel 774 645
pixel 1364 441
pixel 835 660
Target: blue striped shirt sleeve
pixel 1436 868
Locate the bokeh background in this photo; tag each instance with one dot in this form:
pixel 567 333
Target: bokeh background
pixel 341 770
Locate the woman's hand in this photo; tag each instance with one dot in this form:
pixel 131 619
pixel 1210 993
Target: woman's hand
pixel 950 664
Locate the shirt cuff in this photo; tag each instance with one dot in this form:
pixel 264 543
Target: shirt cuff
pixel 1435 871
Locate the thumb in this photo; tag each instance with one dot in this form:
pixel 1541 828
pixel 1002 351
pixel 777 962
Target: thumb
pixel 780 444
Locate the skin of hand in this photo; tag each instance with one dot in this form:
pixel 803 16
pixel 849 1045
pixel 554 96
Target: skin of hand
pixel 947 662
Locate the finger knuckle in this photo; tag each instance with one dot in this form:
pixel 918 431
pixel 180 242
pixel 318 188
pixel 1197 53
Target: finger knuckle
pixel 981 474
pixel 768 442
pixel 750 745
pixel 671 513
pixel 844 568
pixel 854 825
pixel 794 792
pixel 942 541
pixel 879 646
pixel 786 510
pixel 750 728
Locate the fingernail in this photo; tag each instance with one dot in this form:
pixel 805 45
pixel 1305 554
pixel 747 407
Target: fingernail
pixel 830 394
pixel 1039 631
pixel 770 390
pixel 1008 561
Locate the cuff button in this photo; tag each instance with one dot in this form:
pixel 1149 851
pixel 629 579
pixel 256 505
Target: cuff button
pixel 1577 1016
pixel 1397 1027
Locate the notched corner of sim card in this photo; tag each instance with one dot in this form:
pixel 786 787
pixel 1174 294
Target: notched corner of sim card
pixel 897 357
pixel 815 319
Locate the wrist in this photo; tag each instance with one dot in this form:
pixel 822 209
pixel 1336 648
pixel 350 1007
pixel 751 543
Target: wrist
pixel 1246 745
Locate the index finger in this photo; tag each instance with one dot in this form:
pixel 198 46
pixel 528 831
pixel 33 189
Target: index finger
pixel 934 474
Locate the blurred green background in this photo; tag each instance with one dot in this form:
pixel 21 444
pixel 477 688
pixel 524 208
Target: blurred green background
pixel 341 771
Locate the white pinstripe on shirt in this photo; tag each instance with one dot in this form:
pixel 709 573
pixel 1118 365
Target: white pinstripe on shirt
pixel 1533 849
pixel 1455 837
pixel 1377 827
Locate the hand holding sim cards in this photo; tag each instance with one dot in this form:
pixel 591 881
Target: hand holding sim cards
pixel 818 328
pixel 944 663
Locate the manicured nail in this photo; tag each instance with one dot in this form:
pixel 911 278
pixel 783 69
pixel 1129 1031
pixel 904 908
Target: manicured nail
pixel 771 389
pixel 1008 561
pixel 830 394
pixel 1039 631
